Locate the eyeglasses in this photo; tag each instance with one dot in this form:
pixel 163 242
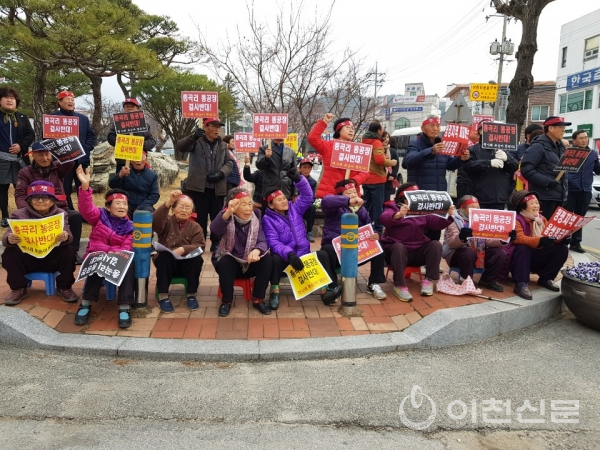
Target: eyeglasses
pixel 184 208
pixel 39 198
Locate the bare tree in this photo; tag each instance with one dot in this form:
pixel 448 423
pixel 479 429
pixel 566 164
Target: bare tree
pixel 109 108
pixel 528 12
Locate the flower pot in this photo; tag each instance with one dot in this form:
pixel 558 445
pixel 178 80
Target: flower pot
pixel 582 299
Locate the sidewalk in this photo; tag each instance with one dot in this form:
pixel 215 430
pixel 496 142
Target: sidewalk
pixel 307 318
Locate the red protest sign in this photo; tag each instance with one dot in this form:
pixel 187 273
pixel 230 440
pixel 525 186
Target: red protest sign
pixel 270 126
pixel 491 223
pixel 60 126
pixel 572 159
pixel 564 223
pixel 455 139
pixel 500 136
pixel 246 143
pixel 351 155
pixel 199 104
pixel 367 248
pixel 477 119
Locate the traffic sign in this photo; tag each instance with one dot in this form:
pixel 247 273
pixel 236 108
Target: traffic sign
pixel 458 112
pixel 483 92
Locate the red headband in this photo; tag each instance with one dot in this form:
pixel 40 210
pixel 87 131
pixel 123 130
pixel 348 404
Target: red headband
pixel 272 195
pixel 112 197
pixel 411 188
pixel 527 198
pixel 41 189
pixel 343 124
pixel 184 197
pixel 341 189
pixel 430 120
pixel 468 201
pixel 241 194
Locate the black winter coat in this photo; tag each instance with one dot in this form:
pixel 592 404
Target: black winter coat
pixel 537 166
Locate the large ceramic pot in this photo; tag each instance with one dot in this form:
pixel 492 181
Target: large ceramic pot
pixel 582 299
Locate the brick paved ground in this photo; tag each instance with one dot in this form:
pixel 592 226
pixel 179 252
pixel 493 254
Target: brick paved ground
pixel 294 319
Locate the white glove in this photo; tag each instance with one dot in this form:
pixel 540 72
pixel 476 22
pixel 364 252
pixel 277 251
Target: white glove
pixel 501 155
pixel 497 163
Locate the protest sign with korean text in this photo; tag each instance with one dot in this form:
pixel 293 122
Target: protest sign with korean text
pixel 38 236
pixel 309 279
pixel 270 126
pixel 491 223
pixel 246 143
pixel 421 203
pixel 129 147
pixel 367 248
pixel 477 119
pixel 456 138
pixel 351 155
pixel 292 141
pixel 572 159
pixel 59 126
pixel 64 149
pixel 564 223
pixel 199 104
pixel 501 136
pixel 111 266
pixel 130 122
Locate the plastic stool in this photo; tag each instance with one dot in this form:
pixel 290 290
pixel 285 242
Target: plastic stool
pixel 111 290
pixel 476 270
pixel 407 272
pixel 247 284
pixel 47 277
pixel 176 280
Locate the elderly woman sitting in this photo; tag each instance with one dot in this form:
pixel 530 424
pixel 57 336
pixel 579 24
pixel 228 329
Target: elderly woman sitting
pixel 180 235
pixel 532 252
pixel 41 203
pixel 242 251
pixel 405 243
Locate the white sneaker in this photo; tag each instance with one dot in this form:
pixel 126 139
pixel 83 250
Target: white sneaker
pixel 376 291
pixel 426 288
pixel 402 293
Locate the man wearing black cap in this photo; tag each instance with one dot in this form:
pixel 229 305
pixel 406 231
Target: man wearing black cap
pixel 131 105
pixel 210 164
pixel 538 163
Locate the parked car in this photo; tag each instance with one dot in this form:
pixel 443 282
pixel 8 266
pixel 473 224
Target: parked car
pixel 595 201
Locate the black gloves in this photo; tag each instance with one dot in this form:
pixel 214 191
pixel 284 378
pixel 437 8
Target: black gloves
pixel 546 241
pixel 552 184
pixel 199 133
pixel 295 261
pixel 215 177
pixel 465 233
pixel 566 241
pixel 512 235
pixel 294 175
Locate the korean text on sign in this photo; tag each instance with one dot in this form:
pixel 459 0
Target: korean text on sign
pixel 130 122
pixel 64 149
pixel 351 155
pixel 367 248
pixel 292 141
pixel 38 236
pixel 421 203
pixel 564 223
pixel 572 159
pixel 199 104
pixel 111 266
pixel 60 126
pixel 270 126
pixel 309 279
pixel 501 136
pixel 491 223
pixel 246 143
pixel 455 139
pixel 129 147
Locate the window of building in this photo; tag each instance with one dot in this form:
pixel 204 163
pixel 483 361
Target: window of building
pixel 564 57
pixel 576 101
pixel 402 122
pixel 591 48
pixel 539 113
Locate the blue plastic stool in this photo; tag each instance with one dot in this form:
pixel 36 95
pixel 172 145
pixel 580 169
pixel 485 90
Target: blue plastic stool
pixel 457 270
pixel 47 277
pixel 111 290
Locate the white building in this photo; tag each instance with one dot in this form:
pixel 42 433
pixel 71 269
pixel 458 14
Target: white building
pixel 578 76
pixel 410 109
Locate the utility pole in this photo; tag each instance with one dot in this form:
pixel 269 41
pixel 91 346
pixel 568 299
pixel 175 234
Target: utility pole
pixel 378 82
pixel 503 48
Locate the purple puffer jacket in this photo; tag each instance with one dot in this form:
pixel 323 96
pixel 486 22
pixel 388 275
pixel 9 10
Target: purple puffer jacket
pixel 287 233
pixel 333 207
pixel 408 231
pixel 108 233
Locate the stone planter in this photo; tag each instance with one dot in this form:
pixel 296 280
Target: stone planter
pixel 582 299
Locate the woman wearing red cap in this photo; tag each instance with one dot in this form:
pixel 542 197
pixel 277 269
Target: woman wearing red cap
pixel 342 129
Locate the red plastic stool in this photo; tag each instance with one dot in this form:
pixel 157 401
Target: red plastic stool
pixel 247 285
pixel 407 272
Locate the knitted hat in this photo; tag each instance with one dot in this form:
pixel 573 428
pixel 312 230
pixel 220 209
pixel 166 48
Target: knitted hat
pixel 517 197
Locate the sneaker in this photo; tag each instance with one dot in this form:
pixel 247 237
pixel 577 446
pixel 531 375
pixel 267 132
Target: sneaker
pixel 375 290
pixel 402 293
pixel 426 288
pixel 310 236
pixel 192 303
pixel 124 318
pixel 67 295
pixel 166 306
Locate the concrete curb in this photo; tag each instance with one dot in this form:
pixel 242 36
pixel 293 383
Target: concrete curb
pixel 443 328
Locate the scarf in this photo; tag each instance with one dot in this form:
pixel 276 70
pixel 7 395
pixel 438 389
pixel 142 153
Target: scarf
pixel 537 223
pixel 227 241
pixel 44 171
pixel 371 135
pixel 121 226
pixel 10 116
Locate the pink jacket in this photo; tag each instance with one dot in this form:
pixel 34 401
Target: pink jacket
pixel 108 233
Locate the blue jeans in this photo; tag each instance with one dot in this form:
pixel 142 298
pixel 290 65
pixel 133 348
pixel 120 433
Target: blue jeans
pixel 374 196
